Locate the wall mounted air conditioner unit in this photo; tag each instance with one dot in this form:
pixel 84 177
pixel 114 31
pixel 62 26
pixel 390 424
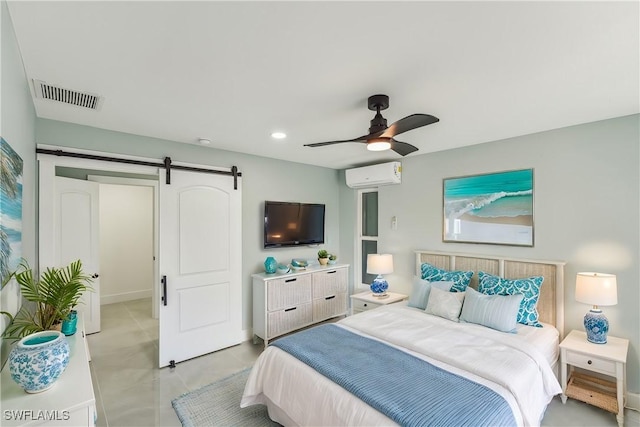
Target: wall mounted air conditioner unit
pixel 375 175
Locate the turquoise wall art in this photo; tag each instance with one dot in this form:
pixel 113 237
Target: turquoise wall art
pixel 493 208
pixel 10 209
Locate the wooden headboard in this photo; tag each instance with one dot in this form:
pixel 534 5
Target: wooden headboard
pixel 551 301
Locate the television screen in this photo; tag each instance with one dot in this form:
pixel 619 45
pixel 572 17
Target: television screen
pixel 291 224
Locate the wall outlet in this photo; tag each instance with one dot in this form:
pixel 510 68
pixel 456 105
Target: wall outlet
pixel 394 222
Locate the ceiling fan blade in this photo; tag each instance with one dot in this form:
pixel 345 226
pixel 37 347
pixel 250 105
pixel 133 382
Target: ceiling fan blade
pixel 408 123
pixel 321 144
pixel 402 148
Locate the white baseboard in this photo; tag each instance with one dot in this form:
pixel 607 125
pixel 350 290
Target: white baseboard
pixel 633 401
pixel 125 296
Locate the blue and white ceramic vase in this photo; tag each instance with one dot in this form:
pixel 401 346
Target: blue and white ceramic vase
pixel 597 326
pixel 37 360
pixel 270 265
pixel 379 286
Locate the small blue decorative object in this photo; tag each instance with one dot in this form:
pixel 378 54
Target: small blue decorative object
pixel 379 286
pixel 282 269
pixel 270 265
pixel 37 360
pixel 597 326
pixel 69 325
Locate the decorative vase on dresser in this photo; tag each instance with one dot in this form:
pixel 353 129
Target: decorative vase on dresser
pixel 69 325
pixel 270 265
pixel 70 402
pixel 37 360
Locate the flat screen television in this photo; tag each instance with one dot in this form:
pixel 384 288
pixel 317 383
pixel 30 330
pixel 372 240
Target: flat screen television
pixel 293 224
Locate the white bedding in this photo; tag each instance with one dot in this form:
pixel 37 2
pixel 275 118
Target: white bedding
pixel 546 340
pixel 297 395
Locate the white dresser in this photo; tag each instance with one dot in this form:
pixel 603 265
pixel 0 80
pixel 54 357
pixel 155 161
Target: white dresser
pixel 285 302
pixel 70 402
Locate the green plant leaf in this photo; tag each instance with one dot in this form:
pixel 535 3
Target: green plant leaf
pixel 53 296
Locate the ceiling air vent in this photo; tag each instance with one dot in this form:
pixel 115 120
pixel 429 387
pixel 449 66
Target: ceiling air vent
pixel 67 96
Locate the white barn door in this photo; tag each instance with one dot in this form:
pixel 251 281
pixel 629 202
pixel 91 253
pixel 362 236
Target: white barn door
pixel 200 265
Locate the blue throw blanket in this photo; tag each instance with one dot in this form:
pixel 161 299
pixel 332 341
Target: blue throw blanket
pixel 406 389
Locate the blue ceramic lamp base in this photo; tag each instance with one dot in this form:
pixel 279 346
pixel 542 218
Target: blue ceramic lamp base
pixel 597 326
pixel 379 286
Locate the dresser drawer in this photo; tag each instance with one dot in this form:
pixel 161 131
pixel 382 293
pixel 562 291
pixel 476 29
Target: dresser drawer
pixel 330 282
pixel 289 319
pixel 330 306
pixel 288 291
pixel 591 363
pixel 359 305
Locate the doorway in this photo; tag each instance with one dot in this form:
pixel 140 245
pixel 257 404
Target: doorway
pixel 199 233
pixel 128 239
pixel 127 235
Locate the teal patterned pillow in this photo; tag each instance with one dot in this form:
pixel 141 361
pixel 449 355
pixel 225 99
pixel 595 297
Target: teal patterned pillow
pixel 460 279
pixel 530 288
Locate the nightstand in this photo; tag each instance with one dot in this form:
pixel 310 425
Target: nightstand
pixel 366 301
pixel 608 359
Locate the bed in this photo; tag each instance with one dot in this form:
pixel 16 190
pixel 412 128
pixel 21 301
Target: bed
pixel 478 376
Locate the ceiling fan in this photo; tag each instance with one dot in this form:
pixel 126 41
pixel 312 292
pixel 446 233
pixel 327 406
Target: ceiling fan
pixel 381 136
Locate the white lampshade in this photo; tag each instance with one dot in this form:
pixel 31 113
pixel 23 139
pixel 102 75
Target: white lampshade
pixel 596 289
pixel 379 263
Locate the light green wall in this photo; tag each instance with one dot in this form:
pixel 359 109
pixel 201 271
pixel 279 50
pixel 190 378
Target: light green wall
pixel 262 179
pixel 17 118
pixel 587 186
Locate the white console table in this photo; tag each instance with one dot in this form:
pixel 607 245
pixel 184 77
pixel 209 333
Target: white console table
pixel 70 402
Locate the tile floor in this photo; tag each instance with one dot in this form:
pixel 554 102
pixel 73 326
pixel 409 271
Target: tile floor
pixel 131 391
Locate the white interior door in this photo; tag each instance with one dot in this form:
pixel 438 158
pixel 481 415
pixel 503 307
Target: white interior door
pixel 76 231
pixel 200 264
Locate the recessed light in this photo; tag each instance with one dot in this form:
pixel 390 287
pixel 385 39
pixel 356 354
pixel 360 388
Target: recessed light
pixel 204 141
pixel 278 135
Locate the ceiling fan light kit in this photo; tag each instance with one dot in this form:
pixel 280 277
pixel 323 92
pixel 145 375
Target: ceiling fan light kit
pixel 381 136
pixel 378 144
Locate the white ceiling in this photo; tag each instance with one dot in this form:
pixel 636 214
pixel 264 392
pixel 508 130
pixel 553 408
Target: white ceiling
pixel 234 72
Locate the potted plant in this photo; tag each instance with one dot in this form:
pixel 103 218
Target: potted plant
pixel 333 258
pixel 323 257
pixel 50 299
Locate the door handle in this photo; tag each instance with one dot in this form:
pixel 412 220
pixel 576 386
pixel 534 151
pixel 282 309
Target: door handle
pixel 164 290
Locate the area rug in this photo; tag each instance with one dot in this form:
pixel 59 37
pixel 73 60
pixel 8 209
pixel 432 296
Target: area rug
pixel 218 404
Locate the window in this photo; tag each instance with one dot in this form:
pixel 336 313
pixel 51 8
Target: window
pixel 368 232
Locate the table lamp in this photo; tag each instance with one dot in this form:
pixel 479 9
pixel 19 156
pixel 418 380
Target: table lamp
pixel 379 264
pixel 596 289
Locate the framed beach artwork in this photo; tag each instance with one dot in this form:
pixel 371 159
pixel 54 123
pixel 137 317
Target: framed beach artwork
pixel 10 209
pixel 494 208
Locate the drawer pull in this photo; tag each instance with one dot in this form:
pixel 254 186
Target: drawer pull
pixel 331 272
pixel 589 362
pixel 290 309
pixel 290 280
pixel 365 305
pixel 331 297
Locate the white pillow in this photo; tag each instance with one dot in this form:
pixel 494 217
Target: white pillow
pixel 493 311
pixel 445 304
pixel 422 289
